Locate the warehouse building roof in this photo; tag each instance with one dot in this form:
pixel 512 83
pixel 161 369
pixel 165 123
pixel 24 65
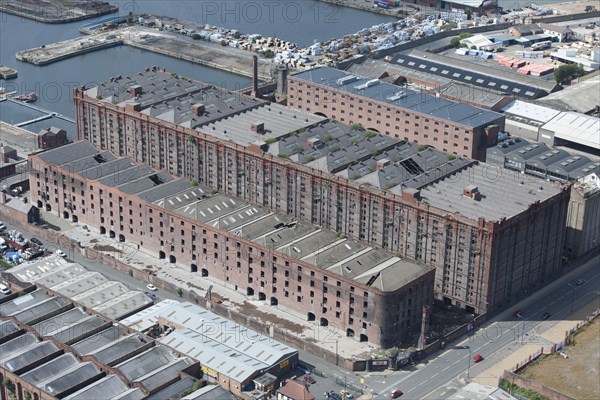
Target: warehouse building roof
pixel 400 97
pixel 240 356
pixel 501 197
pixel 576 128
pixel 462 71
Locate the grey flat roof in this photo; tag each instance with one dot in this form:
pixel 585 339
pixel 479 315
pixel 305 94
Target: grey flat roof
pixel 173 390
pixel 88 162
pixel 46 267
pixel 51 369
pixel 50 325
pixel 408 99
pixel 66 154
pixel 171 98
pixel 112 352
pixel 16 345
pixel 22 302
pixel 103 389
pixel 28 356
pixel 540 160
pixel 70 378
pixel 377 68
pixel 125 176
pixel 527 112
pixel 577 128
pixel 78 330
pixel 148 317
pixel 99 340
pixel 277 119
pixel 502 197
pixel 210 392
pixel 582 97
pixel 7 328
pixel 146 362
pixel 41 310
pixel 77 284
pixel 475 74
pixel 165 374
pixel 495 74
pixel 156 193
pixel 124 305
pixel 217 349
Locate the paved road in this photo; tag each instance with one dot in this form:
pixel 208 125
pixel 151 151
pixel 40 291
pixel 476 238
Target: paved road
pixel 494 340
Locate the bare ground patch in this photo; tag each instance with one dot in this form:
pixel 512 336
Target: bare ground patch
pixel 104 247
pixel 251 309
pixel 577 376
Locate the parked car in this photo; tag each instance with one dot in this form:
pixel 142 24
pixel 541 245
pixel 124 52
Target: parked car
pixel 477 358
pixel 518 313
pixel 151 295
pixel 545 316
pixel 4 289
pixel 309 379
pixel 580 282
pixel 151 287
pixel 61 253
pixel 396 393
pixel 36 241
pixel 2 227
pixel 346 394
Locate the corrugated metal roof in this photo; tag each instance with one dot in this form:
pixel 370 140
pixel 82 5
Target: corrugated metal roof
pixel 220 344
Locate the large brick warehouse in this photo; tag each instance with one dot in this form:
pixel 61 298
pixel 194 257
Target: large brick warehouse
pixel 396 111
pixel 491 235
pixel 372 294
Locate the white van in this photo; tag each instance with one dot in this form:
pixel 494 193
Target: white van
pixel 4 289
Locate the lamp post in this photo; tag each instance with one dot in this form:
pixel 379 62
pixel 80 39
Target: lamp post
pixel 469 364
pixel 336 352
pixel 523 333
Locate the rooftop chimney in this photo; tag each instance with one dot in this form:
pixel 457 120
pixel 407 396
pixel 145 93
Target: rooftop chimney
pixel 312 142
pixel 198 109
pixel 472 192
pixel 255 76
pixel 381 164
pixel 258 127
pixel 135 90
pixel 411 195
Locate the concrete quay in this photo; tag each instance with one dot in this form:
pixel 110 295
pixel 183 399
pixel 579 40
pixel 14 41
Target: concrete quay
pixel 56 11
pixel 68 48
pixel 212 55
pixel 7 73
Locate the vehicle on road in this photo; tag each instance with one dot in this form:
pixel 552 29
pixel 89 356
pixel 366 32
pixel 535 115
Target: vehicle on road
pixel 346 394
pixel 2 227
pixel 546 316
pixel 518 313
pixel 151 295
pixel 477 358
pixel 36 241
pixel 580 282
pixel 61 253
pixel 309 379
pixel 4 289
pixel 151 287
pixel 396 393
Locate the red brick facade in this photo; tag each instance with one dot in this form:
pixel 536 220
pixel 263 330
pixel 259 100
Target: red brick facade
pixel 393 121
pixel 480 264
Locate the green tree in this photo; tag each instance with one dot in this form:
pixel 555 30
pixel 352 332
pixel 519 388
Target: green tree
pixel 179 292
pixel 196 36
pixel 267 53
pixel 455 41
pixel 9 385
